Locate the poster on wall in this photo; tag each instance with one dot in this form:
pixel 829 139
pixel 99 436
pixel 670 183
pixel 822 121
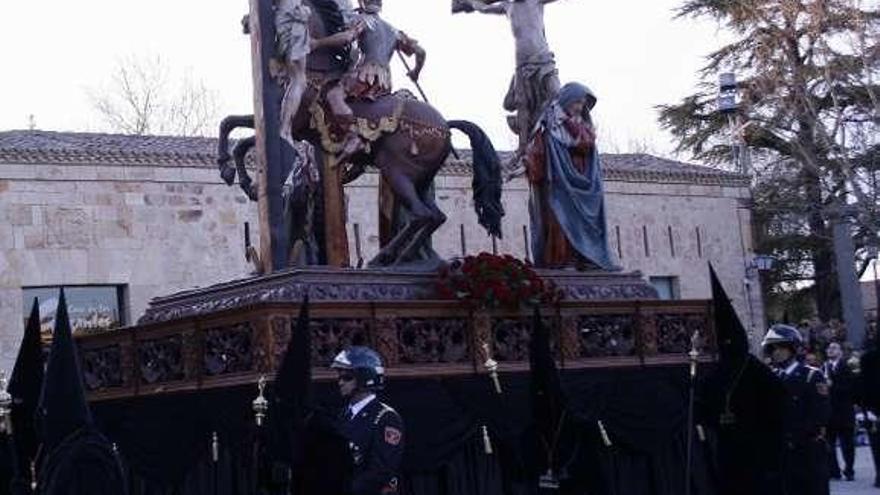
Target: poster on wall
pixel 91 308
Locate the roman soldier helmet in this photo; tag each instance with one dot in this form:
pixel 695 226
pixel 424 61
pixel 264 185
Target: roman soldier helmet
pixel 365 364
pixel 781 334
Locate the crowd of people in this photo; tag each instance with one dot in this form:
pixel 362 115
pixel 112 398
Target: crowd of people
pixel 846 383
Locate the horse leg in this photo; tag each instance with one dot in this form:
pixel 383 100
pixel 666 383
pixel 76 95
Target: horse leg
pixel 229 124
pixel 239 153
pixel 434 222
pixel 421 213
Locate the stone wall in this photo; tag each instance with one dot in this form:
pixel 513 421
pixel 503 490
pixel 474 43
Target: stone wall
pixel 160 229
pixel 155 230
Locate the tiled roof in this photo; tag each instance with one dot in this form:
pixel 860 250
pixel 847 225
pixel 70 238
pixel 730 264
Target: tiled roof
pixel 24 146
pixel 105 149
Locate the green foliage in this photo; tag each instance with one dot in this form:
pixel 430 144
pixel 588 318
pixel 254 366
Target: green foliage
pixel 810 111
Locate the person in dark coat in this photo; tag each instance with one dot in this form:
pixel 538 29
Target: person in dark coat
pixel 374 430
pixel 807 411
pixel 75 458
pixel 870 397
pixel 843 417
pixel 741 403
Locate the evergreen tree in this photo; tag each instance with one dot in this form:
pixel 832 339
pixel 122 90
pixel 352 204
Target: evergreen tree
pixel 810 109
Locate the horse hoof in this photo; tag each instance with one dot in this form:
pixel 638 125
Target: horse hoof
pixel 228 175
pixel 381 260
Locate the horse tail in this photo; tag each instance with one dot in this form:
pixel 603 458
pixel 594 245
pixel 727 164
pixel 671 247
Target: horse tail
pixel 487 177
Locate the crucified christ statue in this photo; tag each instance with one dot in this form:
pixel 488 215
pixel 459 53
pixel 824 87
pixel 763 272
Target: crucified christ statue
pixel 536 80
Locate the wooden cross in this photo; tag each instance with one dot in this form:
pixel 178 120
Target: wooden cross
pixel 274 158
pixel 273 155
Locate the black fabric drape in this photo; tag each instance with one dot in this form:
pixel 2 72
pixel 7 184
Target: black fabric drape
pixel 165 441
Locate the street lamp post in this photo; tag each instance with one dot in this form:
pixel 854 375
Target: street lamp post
pixel 729 106
pixel 760 263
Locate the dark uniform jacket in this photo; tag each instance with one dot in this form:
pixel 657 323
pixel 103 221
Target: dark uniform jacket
pixel 843 393
pixel 870 380
pixel 808 409
pixel 375 438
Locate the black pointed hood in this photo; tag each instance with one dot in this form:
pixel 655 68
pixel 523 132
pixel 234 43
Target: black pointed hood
pixel 63 408
pixel 733 341
pixel 292 387
pixel 548 400
pixel 24 387
pixel 293 380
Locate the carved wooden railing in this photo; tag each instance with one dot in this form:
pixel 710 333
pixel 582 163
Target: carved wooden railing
pixel 417 339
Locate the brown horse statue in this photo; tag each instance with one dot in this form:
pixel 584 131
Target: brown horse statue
pixel 409 143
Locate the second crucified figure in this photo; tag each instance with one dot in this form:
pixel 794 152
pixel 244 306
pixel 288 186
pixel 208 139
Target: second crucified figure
pixel 536 80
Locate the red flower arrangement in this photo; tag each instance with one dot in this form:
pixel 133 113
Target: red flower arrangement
pixel 491 281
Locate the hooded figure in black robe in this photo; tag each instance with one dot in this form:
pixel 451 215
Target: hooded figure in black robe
pixel 75 459
pixel 741 403
pixel 24 387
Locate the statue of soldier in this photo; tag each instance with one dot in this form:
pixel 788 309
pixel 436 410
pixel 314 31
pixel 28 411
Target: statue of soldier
pixel 371 77
pixel 536 80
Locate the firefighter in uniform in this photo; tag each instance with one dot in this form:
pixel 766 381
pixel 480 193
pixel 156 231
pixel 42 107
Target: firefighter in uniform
pixel 806 413
pixel 373 429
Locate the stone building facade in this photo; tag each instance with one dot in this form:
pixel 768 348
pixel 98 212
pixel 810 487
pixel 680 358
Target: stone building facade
pixel 143 216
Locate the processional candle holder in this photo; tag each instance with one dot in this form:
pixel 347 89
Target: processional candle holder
pixel 5 405
pixel 694 354
pixel 492 367
pixel 260 404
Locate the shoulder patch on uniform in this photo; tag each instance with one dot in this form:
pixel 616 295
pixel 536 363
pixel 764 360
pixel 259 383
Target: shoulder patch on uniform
pixel 392 435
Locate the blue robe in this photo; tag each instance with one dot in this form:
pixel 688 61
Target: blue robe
pixel 576 200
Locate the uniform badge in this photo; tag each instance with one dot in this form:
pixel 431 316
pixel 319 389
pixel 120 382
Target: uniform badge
pixel 392 435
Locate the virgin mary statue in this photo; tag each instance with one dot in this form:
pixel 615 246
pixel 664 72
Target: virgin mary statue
pixel 567 203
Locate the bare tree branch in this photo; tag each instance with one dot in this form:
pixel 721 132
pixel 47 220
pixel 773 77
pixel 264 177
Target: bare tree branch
pixel 142 97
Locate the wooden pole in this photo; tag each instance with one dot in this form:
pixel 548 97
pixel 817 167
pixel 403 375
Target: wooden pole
pixel 463 241
pixel 271 152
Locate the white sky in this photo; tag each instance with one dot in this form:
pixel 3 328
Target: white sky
pixel 630 52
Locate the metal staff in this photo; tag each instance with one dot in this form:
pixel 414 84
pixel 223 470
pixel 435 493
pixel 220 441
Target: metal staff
pixel 492 367
pixel 693 357
pixel 419 88
pixel 215 458
pixel 6 426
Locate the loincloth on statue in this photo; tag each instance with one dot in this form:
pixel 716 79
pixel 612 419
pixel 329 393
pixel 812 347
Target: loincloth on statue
pixel 528 86
pixel 292 32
